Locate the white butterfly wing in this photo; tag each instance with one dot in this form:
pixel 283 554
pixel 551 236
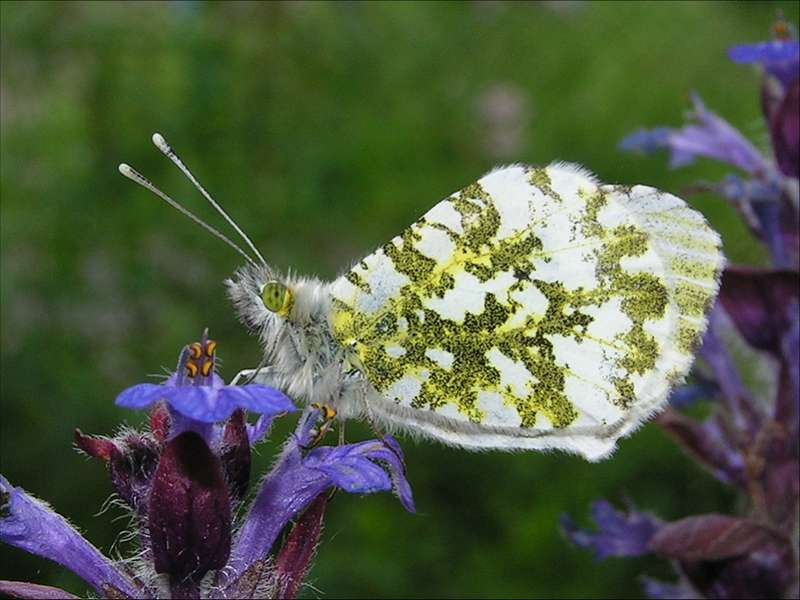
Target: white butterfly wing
pixel 534 309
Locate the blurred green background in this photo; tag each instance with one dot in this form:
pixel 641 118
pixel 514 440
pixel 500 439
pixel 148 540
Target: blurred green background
pixel 325 129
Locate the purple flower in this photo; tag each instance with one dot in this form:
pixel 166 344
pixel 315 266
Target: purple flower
pixel 197 393
pixel 185 477
pixel 645 140
pixel 617 534
pixel 301 476
pixel 711 136
pixel 780 57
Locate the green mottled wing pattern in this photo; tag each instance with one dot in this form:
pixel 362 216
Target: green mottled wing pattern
pixel 534 308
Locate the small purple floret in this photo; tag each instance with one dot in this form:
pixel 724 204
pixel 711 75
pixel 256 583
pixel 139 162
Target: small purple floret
pixel 618 534
pixel 711 136
pixel 207 403
pixel 301 475
pixel 780 58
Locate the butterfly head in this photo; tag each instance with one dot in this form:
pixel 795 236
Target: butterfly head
pixel 267 300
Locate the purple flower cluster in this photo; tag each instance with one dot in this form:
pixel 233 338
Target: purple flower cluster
pixel 750 442
pixel 184 481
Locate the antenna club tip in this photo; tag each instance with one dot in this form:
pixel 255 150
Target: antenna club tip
pixel 160 142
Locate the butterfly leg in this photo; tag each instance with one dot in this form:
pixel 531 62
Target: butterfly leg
pixel 325 419
pixel 258 375
pixel 377 432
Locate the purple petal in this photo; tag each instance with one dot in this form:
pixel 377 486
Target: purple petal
pixel 706 443
pixel 259 430
pixel 713 137
pixel 365 467
pixel 738 399
pixel 348 469
pixel 664 590
pixel 617 534
pixel 397 470
pixel 645 140
pixel 199 403
pixel 34 591
pixel 780 58
pixel 765 210
pixel 255 398
pixel 140 396
pixel 769 216
pixel 287 490
pixel 31 525
pixel 208 404
pixel 736 189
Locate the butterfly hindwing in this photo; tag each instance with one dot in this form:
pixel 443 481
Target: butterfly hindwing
pixel 535 308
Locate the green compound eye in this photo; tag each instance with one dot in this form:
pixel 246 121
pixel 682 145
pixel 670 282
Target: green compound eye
pixel 277 298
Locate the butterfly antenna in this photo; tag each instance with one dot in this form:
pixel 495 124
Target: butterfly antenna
pixel 167 150
pixel 137 177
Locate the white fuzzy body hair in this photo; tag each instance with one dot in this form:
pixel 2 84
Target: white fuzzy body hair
pixel 301 356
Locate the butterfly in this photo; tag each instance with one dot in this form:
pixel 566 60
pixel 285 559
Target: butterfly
pixel 534 309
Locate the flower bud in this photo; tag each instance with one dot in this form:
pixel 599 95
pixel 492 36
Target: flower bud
pixel 190 512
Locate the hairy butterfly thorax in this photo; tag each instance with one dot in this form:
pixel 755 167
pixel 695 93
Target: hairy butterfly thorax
pixel 291 317
pixel 536 308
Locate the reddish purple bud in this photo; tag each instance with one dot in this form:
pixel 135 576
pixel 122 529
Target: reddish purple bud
pixel 756 300
pixel 774 466
pixel 190 513
pixel 729 557
pixel 96 447
pixel 131 462
pixel 160 420
pixel 295 556
pixel 132 471
pixel 784 128
pixel 235 454
pixel 711 537
pixel 23 589
pixel 762 576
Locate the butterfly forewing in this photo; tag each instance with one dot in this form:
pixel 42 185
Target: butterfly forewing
pixel 534 308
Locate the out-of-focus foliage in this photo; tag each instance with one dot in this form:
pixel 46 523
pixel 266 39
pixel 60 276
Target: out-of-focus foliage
pixel 325 129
